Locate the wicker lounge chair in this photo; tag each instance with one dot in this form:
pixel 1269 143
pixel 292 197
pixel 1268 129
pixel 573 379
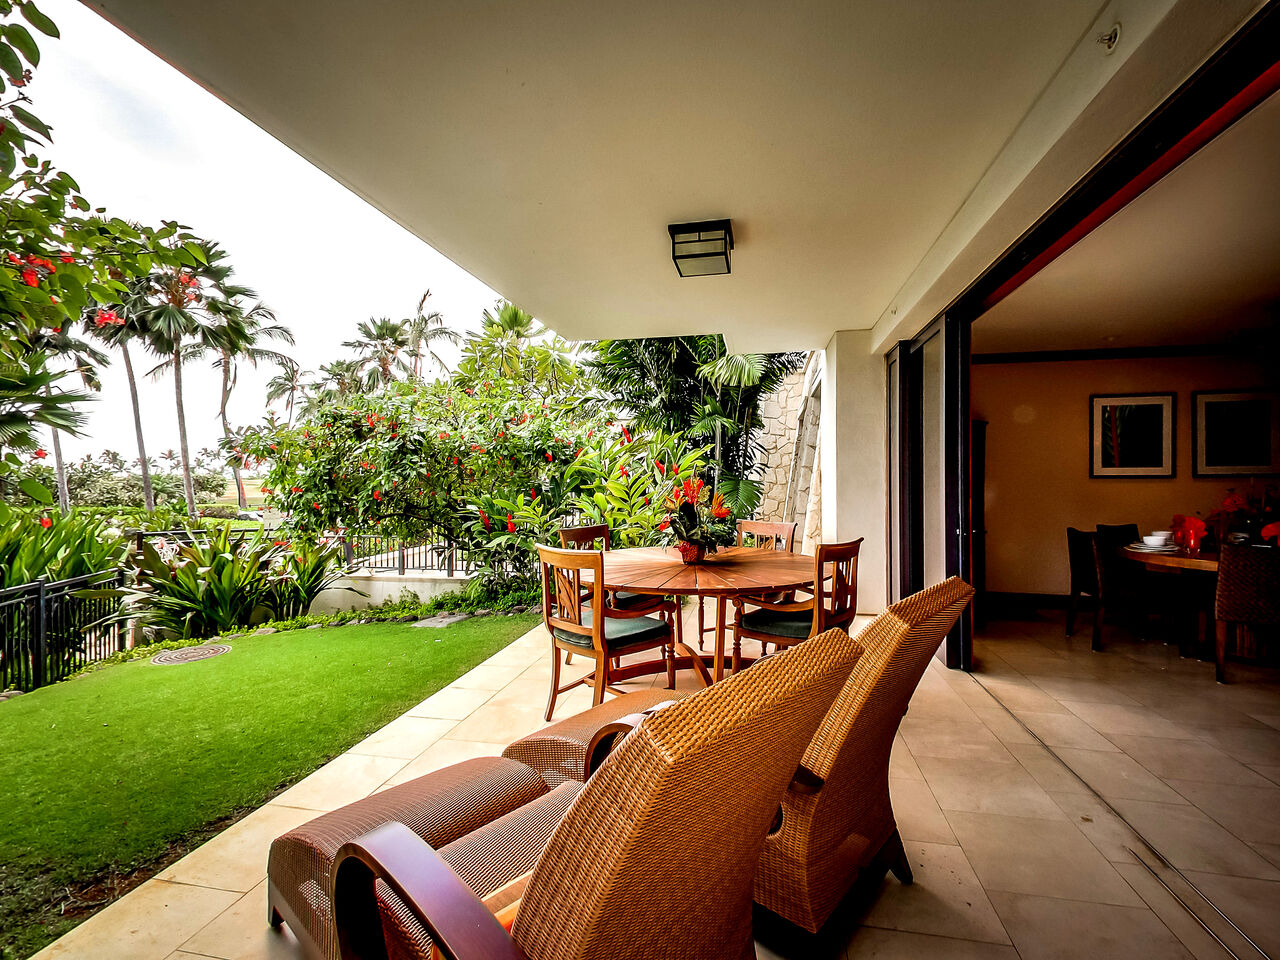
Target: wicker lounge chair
pixel 614 876
pixel 837 818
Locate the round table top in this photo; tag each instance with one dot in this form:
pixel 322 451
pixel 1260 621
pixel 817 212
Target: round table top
pixel 729 571
pixel 1175 561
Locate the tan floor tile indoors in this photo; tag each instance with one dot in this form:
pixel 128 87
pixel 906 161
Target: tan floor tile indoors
pixel 1014 854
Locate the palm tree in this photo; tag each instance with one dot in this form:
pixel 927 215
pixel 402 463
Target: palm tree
pixel 117 327
pixel 424 330
pixel 338 380
pixel 84 360
pixel 514 346
pixel 186 313
pixel 287 384
pixel 379 348
pixel 239 330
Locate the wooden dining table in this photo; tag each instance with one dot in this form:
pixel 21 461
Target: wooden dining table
pixel 1180 560
pixel 729 572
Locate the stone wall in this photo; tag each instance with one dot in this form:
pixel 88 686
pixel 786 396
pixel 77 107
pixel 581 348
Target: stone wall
pixel 780 412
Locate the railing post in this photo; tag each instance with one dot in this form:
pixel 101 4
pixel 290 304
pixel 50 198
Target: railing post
pixel 400 558
pixel 449 558
pixel 41 651
pixel 348 551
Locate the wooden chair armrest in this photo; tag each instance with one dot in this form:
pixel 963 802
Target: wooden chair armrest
pixel 458 921
pixel 629 613
pixel 611 734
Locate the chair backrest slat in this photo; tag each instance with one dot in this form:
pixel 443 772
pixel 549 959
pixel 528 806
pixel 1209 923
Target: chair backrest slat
pixel 585 537
pixel 565 595
pixel 767 535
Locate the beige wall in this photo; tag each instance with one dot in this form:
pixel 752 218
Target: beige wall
pixel 1038 480
pixel 852 458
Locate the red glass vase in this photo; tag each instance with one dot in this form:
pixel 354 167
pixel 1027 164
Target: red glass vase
pixel 691 552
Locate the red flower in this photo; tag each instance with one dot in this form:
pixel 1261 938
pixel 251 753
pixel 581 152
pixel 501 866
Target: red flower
pixel 443 435
pixel 664 524
pixel 549 457
pixel 67 258
pixel 1234 501
pixel 46 522
pixel 511 524
pixel 626 433
pixel 484 518
pixel 297 489
pixel 30 278
pixel 377 494
pixel 14 258
pixel 316 505
pixel 40 454
pixel 1271 530
pixel 56 329
pixel 533 494
pixel 622 471
pixel 661 469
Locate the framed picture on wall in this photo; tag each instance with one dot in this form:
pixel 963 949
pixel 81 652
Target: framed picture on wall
pixel 1132 435
pixel 1235 433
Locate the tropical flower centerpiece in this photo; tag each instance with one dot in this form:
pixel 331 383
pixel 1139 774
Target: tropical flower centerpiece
pixel 699 521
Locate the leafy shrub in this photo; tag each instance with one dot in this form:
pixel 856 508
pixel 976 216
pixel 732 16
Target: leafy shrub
pixel 220 580
pixel 56 546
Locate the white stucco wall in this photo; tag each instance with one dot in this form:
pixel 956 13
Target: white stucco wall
pixel 852 460
pixel 385 586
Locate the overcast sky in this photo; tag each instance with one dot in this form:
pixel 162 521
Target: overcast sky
pixel 149 144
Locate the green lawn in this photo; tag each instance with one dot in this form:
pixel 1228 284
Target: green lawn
pixel 103 774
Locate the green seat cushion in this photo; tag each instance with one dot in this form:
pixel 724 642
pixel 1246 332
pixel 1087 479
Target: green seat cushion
pixel 618 634
pixel 779 623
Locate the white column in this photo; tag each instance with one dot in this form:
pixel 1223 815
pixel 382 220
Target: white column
pixel 853 458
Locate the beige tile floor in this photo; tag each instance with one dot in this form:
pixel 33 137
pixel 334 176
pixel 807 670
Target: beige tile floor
pixel 1013 855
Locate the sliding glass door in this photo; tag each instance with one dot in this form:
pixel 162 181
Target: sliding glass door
pixel 928 417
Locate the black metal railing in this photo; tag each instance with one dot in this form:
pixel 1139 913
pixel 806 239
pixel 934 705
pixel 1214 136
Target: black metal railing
pixel 378 552
pixel 46 633
pixel 181 536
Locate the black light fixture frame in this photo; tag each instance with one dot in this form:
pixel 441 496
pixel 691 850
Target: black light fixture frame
pixel 699 227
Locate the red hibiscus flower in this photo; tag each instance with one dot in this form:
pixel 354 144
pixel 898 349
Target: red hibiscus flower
pixel 550 458
pixel 377 494
pixel 46 522
pixel 297 489
pixel 30 278
pixel 40 454
pixel 316 505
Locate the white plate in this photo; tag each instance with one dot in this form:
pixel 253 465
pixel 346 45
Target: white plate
pixel 1143 548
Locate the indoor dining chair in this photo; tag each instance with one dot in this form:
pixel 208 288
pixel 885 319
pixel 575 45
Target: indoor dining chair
pixel 1248 594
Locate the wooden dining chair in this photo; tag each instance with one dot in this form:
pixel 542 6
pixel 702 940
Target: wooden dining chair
pixel 1084 577
pixel 1248 593
pixel 579 620
pixel 1120 584
pixel 767 535
pixel 834 604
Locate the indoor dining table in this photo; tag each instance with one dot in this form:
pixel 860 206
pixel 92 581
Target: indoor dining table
pixel 729 572
pixel 1194 597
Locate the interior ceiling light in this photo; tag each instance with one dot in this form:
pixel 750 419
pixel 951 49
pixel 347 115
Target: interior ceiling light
pixel 701 249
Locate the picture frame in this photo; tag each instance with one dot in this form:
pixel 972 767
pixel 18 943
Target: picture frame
pixel 1235 433
pixel 1133 436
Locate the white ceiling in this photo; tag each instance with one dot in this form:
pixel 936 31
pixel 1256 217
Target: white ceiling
pixel 1193 260
pixel 545 146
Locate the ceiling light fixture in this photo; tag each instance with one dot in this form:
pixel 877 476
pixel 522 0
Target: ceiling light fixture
pixel 701 249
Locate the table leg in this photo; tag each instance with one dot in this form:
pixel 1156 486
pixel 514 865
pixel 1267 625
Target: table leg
pixel 720 609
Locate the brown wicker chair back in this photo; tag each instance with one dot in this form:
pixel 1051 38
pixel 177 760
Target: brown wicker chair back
pixel 585 537
pixel 768 535
pixel 642 865
pixel 828 834
pixel 564 597
pixel 835 599
pixel 1248 585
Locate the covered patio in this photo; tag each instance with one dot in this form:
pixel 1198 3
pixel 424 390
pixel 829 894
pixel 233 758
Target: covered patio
pixel 1014 855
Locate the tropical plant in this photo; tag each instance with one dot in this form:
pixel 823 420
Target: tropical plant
pixel 693 385
pixel 424 330
pixel 698 520
pixel 287 384
pixel 83 360
pixel 36 545
pixel 220 580
pixel 512 346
